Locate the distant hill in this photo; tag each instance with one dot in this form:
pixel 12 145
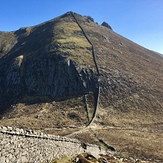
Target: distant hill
pixel 70 71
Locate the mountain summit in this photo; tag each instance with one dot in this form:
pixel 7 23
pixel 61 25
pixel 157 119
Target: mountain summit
pixel 72 72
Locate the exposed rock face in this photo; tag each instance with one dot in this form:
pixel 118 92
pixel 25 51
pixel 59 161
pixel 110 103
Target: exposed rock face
pixel 105 24
pixel 52 77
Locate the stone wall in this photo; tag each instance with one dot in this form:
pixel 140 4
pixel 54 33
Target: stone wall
pixel 19 145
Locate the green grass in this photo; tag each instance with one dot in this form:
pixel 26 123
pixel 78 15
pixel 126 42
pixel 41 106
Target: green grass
pixel 72 41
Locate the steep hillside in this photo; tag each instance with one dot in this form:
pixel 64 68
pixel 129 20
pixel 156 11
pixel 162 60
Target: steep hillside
pixel 42 57
pixel 131 77
pixel 64 73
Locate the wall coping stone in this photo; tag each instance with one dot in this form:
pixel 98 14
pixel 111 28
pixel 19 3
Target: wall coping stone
pixel 31 133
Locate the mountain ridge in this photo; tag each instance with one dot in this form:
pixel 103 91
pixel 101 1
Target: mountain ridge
pixel 49 78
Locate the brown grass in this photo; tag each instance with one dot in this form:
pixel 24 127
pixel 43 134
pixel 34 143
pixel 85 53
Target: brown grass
pixel 131 87
pixel 128 143
pixel 48 117
pixel 72 41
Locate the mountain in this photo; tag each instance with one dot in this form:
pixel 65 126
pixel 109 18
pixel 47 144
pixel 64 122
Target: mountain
pixel 70 72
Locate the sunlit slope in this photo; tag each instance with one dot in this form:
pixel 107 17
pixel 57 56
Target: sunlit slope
pixel 53 61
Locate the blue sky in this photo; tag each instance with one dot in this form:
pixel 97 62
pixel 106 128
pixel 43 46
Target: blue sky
pixel 138 20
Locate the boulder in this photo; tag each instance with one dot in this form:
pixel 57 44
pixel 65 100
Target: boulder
pixel 105 24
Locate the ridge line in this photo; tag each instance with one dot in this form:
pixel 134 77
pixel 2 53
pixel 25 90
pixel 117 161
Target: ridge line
pixel 93 51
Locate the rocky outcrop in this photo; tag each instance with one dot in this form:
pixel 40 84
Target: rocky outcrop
pixel 55 78
pixel 89 158
pixel 105 24
pixel 18 145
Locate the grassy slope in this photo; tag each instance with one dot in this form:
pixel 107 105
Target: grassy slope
pixel 140 110
pixel 128 143
pixel 124 63
pixel 72 42
pixel 48 117
pixel 6 44
pixel 119 58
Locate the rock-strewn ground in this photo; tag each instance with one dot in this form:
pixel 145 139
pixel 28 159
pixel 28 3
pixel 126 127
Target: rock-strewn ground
pixel 89 158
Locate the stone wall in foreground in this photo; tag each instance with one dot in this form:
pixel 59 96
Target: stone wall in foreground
pixel 19 145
